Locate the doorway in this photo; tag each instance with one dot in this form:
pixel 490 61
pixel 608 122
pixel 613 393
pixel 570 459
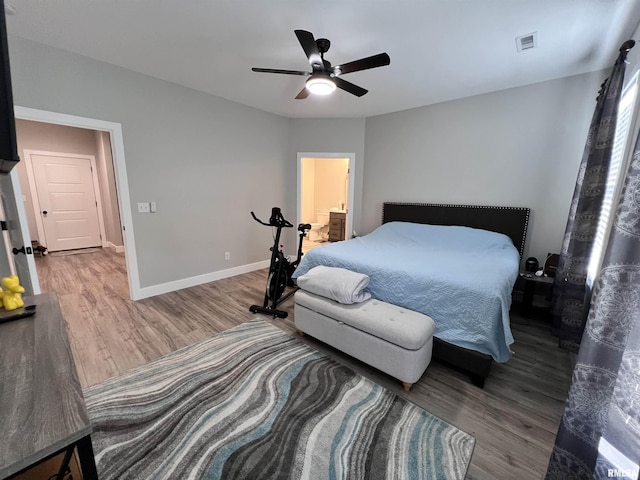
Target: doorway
pixel 110 145
pixel 325 196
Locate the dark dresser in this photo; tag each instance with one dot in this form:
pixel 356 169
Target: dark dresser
pixel 43 410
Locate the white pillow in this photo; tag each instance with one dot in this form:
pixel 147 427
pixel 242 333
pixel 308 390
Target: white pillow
pixel 339 284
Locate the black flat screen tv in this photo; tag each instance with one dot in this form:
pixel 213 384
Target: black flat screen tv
pixel 8 145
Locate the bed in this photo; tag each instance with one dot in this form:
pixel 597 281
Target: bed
pixel 463 280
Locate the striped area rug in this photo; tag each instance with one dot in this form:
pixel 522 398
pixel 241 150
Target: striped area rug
pixel 254 402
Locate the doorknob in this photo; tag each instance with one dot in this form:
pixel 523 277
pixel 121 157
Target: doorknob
pixel 23 250
pixel 44 212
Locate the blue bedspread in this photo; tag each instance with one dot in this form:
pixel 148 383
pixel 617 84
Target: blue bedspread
pixel 461 277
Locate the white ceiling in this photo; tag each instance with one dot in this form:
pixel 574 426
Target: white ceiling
pixel 440 49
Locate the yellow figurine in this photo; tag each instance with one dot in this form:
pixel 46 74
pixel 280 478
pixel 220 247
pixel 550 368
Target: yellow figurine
pixel 11 298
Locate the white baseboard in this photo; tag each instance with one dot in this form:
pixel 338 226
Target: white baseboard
pixel 159 289
pixel 117 248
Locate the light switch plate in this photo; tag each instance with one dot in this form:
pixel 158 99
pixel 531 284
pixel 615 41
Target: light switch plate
pixel 143 207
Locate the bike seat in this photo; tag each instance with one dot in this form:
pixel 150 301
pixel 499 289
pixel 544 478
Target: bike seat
pixel 304 226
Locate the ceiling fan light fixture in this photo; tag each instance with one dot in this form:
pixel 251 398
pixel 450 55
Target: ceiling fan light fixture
pixel 321 85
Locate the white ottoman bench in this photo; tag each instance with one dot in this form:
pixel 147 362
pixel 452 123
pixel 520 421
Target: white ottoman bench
pixel 390 338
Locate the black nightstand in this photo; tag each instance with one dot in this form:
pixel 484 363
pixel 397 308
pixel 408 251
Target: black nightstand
pixel 530 282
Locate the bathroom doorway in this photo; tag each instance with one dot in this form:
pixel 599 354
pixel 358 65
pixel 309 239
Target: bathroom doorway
pixel 325 196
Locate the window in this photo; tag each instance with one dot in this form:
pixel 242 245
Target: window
pixel 614 180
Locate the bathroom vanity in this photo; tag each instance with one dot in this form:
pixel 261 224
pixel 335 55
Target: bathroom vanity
pixel 337 223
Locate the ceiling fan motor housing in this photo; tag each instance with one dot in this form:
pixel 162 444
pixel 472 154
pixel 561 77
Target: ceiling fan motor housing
pixel 323 45
pixel 324 79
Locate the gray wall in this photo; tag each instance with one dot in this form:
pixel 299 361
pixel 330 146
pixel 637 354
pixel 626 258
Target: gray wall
pixel 339 135
pixel 5 195
pixel 206 161
pixel 516 147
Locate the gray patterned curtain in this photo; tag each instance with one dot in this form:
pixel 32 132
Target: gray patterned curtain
pixel 599 436
pixel 571 293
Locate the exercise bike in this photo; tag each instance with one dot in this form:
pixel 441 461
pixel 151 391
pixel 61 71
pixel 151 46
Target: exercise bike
pixel 280 268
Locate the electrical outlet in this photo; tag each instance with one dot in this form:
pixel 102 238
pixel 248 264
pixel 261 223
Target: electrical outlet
pixel 143 207
pixel 227 256
pixel 153 207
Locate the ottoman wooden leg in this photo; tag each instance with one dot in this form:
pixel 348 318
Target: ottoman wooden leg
pixel 407 386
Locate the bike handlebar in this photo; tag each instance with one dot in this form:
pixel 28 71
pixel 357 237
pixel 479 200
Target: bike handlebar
pixel 258 220
pixel 276 220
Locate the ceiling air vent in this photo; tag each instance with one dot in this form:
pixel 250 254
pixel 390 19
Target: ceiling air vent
pixel 527 42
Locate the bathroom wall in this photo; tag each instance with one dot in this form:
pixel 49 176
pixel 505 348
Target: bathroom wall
pixel 330 183
pixel 324 185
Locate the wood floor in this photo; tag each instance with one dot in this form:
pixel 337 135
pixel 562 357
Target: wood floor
pixel 514 418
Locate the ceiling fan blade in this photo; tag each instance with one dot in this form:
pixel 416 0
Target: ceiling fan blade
pixel 379 60
pixel 310 48
pixel 285 72
pixel 349 87
pixel 304 93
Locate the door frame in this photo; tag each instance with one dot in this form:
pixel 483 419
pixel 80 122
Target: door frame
pixel 24 231
pixel 348 233
pixel 122 184
pixel 34 189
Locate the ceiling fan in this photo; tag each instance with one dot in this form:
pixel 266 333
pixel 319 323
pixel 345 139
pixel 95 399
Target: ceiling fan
pixel 324 79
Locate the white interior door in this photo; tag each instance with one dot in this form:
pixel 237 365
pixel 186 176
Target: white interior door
pixel 67 201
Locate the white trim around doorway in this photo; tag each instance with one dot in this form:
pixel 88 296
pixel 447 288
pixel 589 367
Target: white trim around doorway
pixel 122 184
pixel 352 184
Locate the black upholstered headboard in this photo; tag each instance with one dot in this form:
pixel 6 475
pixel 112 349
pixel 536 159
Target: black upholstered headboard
pixel 511 221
